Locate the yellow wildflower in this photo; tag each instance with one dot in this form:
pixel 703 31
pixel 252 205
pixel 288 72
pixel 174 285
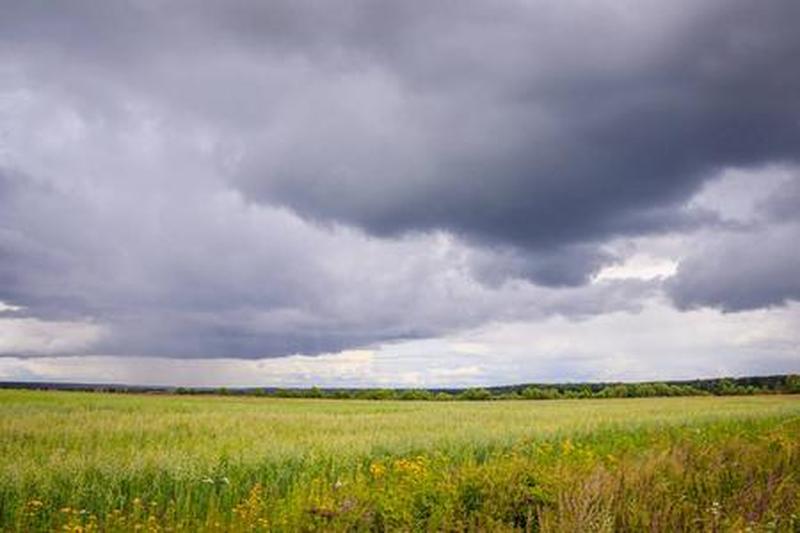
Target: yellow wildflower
pixel 377 470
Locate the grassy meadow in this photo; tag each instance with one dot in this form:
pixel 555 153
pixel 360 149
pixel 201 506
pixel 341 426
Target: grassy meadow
pixel 113 462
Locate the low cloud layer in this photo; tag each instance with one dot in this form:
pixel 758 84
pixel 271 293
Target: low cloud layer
pixel 234 179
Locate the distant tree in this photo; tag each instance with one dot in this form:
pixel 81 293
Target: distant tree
pixel 474 394
pixel 615 391
pixel 375 394
pixel 724 387
pixel 663 389
pixel 792 384
pixel 415 394
pixel 536 393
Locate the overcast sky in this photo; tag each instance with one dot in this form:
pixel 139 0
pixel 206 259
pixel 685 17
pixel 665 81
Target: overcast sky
pixel 398 193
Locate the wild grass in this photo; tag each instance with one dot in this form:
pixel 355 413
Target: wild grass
pixel 89 461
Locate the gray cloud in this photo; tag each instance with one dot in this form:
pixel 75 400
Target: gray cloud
pixel 740 272
pixel 756 266
pixel 195 271
pixel 245 179
pixel 540 140
pixel 783 204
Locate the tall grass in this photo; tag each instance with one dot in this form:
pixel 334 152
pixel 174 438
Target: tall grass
pixel 113 462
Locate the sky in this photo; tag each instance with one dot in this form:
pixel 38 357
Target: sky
pixel 378 193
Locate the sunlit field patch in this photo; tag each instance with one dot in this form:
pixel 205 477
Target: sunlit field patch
pixel 91 461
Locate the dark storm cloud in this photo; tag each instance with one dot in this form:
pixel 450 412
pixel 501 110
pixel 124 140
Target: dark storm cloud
pixel 542 141
pixel 521 123
pixel 155 156
pixel 570 266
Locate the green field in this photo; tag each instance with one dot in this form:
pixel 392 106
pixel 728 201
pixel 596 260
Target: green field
pixel 92 461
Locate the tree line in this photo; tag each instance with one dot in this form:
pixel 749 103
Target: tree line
pixel 782 384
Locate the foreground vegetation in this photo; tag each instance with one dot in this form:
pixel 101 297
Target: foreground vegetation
pixel 89 461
